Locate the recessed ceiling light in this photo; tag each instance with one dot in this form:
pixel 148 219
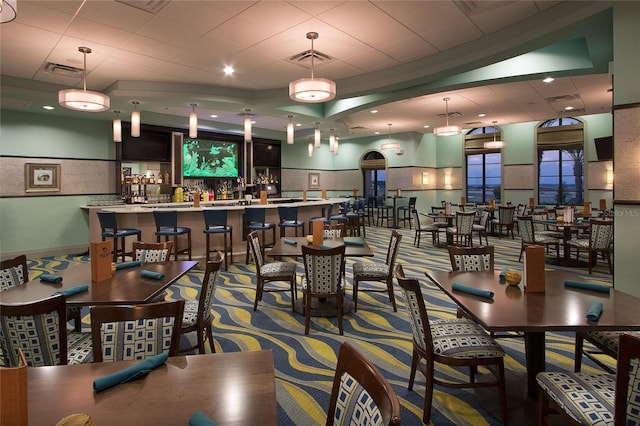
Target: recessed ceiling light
pixel 374 111
pixel 376 133
pixel 482 114
pixel 48 107
pixel 426 126
pixel 228 70
pixel 548 80
pixel 213 116
pixel 569 108
pixel 298 124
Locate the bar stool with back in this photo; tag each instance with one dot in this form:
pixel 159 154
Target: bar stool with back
pixel 215 223
pixel 289 219
pixel 406 211
pixel 255 220
pixel 110 229
pixel 167 226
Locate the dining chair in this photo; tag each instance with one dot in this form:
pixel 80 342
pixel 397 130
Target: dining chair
pixel 505 219
pixel 15 272
pixel 271 272
pixel 39 329
pixel 334 230
pixel 606 342
pixel 427 228
pixel 599 241
pixel 151 252
pixel 167 226
pixel 462 233
pixel 594 399
pixel 480 228
pixel 197 315
pixel 323 281
pixel 360 394
pixel 377 271
pixel 406 211
pixel 255 220
pixel 457 342
pixel 471 258
pixel 135 332
pixel 215 223
pixel 529 237
pixel 289 219
pixel 110 229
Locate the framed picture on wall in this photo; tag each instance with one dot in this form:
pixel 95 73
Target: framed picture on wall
pixel 41 177
pixel 314 180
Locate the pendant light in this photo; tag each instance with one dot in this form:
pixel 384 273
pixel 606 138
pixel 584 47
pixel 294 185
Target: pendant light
pixel 312 90
pixel 135 120
pixel 495 144
pixel 335 146
pixel 447 130
pixel 310 149
pixel 332 140
pixel 83 100
pixel 193 122
pixel 290 130
pixel 389 145
pixel 247 125
pixel 316 135
pixel 117 127
pixel 8 10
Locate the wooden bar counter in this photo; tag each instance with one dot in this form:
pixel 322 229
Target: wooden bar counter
pixel 141 216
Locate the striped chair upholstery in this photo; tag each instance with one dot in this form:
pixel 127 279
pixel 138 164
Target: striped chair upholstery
pixel 596 399
pixel 153 253
pixel 37 328
pixel 13 272
pixel 122 333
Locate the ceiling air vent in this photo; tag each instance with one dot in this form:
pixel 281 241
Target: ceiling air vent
pixel 572 112
pixel 306 56
pixel 151 6
pixel 65 70
pixel 562 98
pixel 453 114
pixel 357 128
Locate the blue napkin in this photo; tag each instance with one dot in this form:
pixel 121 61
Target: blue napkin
pixel 503 274
pixel 293 243
pixel 594 311
pixel 324 246
pixel 353 243
pixel 151 274
pixel 587 286
pixel 472 290
pixel 128 264
pixel 131 373
pixel 73 290
pixel 51 278
pixel 200 419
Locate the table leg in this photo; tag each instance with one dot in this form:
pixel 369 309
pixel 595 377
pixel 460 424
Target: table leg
pixel 566 234
pixel 534 344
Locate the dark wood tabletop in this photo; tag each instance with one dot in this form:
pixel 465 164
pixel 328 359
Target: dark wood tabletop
pixel 295 250
pixel 125 286
pixel 235 388
pixel 559 308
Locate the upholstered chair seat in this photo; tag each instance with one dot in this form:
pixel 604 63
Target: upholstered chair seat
pixel 462 338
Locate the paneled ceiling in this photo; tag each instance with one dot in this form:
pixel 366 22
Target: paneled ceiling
pixel 400 58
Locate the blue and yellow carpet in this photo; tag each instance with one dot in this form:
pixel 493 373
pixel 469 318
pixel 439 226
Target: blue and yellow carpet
pixel 305 364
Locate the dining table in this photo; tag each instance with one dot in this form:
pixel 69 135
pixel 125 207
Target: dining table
pixel 125 286
pixel 567 229
pixel 559 308
pixel 232 388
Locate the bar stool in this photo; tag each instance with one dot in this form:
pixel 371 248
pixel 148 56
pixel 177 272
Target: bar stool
pixel 289 219
pixel 356 219
pixel 110 229
pixel 324 219
pixel 167 226
pixel 255 220
pixel 215 222
pixel 384 212
pixel 406 211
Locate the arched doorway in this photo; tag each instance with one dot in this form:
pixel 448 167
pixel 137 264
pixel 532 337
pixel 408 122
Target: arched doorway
pixel 374 172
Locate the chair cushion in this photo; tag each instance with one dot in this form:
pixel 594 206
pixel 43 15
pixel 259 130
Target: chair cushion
pixel 371 270
pixel 608 339
pixel 170 231
pixel 277 269
pixel 218 229
pixel 543 239
pixel 588 398
pixel 354 405
pixel 190 316
pixel 259 226
pixel 463 338
pixel 79 348
pixel 291 223
pixel 579 242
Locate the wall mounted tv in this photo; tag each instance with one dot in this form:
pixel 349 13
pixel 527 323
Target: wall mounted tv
pixel 152 145
pixel 266 154
pixel 604 148
pixel 204 158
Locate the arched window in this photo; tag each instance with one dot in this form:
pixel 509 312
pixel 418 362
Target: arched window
pixel 560 146
pixel 483 169
pixel 374 166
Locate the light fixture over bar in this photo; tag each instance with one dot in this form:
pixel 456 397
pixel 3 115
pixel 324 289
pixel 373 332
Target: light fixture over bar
pixel 247 125
pixel 447 130
pixel 332 140
pixel 84 100
pixel 312 90
pixel 117 127
pixel 193 122
pixel 290 135
pixel 135 120
pixel 317 136
pixel 310 149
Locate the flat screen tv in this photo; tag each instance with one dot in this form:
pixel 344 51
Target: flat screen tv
pixel 210 158
pixel 604 148
pixel 152 145
pixel 266 154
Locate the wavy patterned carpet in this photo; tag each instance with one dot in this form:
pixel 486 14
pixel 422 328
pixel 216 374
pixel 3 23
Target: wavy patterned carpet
pixel 305 364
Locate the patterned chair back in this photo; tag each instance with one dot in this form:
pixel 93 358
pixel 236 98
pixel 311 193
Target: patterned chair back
pixel 464 222
pixel 416 309
pixel 151 252
pixel 484 218
pixel 208 290
pixel 256 249
pixel 525 225
pixel 539 227
pixel 471 258
pixel 13 272
pixel 135 332
pixel 336 230
pixel 34 327
pixel 600 234
pixel 323 269
pixel 506 214
pixel 392 251
pixel 360 393
pixel 627 395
